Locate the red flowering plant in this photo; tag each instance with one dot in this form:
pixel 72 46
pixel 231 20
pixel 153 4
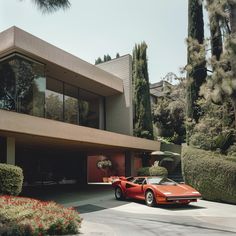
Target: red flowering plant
pixel 26 216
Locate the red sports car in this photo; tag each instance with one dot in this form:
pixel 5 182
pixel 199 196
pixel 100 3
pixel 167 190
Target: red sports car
pixel 154 190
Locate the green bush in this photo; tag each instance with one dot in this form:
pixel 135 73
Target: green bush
pixel 11 179
pixel 153 171
pixel 158 171
pixel 144 171
pixel 210 173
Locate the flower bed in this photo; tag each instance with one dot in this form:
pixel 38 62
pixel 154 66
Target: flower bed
pixel 25 216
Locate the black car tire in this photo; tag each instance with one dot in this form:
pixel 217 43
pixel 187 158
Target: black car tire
pixel 119 194
pixel 150 199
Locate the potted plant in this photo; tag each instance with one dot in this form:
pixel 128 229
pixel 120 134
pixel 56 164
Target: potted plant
pixel 104 165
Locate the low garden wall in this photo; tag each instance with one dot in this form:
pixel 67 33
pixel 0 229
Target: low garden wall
pixel 212 174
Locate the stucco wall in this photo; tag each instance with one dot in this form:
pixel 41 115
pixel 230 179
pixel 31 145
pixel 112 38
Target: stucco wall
pixel 96 175
pixel 119 109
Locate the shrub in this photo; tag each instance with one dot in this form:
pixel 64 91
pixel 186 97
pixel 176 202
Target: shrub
pixel 144 171
pixel 25 216
pixel 210 173
pixel 158 171
pixel 153 171
pixel 232 150
pixel 11 179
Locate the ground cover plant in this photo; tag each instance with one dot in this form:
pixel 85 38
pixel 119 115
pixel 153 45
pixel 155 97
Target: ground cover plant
pixel 21 216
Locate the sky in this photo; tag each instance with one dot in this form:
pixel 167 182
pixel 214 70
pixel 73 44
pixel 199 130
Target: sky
pixel 92 28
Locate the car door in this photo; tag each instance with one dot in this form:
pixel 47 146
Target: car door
pixel 135 189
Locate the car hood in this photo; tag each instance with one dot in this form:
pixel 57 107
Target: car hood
pixel 180 190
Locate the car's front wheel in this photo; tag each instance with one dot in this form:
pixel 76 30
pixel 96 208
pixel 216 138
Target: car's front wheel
pixel 119 194
pixel 150 198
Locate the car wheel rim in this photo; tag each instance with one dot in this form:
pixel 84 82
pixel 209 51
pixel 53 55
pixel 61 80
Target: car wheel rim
pixel 118 193
pixel 149 198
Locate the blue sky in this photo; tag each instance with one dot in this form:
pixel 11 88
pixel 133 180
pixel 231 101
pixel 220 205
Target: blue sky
pixel 92 28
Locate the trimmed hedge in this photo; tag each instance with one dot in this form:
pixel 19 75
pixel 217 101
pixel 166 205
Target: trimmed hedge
pixel 153 171
pixel 144 171
pixel 210 173
pixel 11 179
pixel 158 171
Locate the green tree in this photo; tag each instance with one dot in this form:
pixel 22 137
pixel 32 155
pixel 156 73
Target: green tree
pixel 105 59
pixel 98 61
pixel 222 82
pixel 215 20
pixel 48 6
pixel 142 109
pixel 197 74
pixel 169 113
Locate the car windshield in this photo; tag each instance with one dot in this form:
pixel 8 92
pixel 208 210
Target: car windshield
pixel 160 181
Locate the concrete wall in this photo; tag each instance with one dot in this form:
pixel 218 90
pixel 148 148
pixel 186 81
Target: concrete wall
pixel 60 64
pixel 30 129
pixel 119 108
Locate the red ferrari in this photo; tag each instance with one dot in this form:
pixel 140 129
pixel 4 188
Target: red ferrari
pixel 154 190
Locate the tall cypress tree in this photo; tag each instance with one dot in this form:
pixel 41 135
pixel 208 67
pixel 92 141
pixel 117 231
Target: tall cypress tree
pixel 215 30
pixel 142 107
pixel 197 76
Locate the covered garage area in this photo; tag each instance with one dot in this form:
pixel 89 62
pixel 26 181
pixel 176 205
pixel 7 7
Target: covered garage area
pixel 54 151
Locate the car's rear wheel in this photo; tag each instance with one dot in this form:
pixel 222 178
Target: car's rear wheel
pixel 119 194
pixel 150 198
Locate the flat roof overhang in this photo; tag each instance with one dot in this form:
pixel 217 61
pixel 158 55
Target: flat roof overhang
pixel 60 64
pixel 35 131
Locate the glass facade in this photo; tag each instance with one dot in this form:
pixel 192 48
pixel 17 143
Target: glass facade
pixel 88 109
pixel 24 88
pixel 54 99
pixel 71 104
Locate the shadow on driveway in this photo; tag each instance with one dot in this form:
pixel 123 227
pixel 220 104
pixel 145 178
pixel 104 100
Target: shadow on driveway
pixel 86 198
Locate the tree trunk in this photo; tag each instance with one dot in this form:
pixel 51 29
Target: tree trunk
pixel 216 39
pixel 233 55
pixel 234 105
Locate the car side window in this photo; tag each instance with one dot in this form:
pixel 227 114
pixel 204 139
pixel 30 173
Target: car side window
pixel 139 181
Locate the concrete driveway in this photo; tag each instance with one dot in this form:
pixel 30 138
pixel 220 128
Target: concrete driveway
pixel 103 215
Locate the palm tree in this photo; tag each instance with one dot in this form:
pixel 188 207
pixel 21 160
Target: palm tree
pixel 48 6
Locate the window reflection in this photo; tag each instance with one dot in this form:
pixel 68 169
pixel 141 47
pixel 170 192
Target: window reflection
pixel 7 85
pixel 25 89
pixel 54 99
pixel 71 111
pixel 88 109
pixel 22 86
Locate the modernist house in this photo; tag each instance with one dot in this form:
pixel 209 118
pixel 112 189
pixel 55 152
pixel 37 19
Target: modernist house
pixel 60 115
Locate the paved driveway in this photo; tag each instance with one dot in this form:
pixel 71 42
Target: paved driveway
pixel 103 215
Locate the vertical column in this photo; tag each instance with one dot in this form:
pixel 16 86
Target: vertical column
pixel 129 164
pixel 101 114
pixel 11 150
pixel 82 169
pixel 3 150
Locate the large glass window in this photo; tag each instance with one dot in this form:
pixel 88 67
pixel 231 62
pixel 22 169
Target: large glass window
pixel 88 109
pixel 25 89
pixel 54 99
pixel 22 85
pixel 71 106
pixel 7 85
